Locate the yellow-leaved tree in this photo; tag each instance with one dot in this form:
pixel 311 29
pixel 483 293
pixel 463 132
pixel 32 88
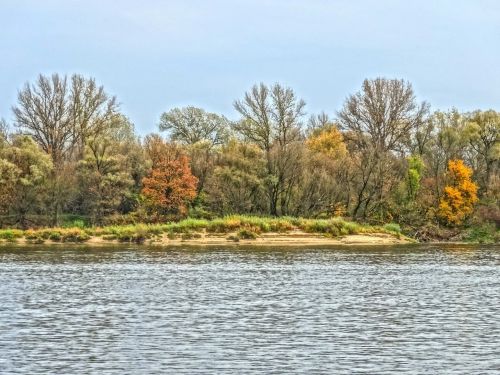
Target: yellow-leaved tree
pixel 459 196
pixel 328 142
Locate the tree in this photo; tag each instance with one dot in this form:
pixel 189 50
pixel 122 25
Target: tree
pixel 60 116
pixel 325 177
pixel 170 185
pixel 384 113
pixel 414 176
pixel 447 143
pixel 271 119
pixel 327 141
pixel 483 134
pixel 379 122
pixel 3 132
pixel 190 125
pixel 24 170
pixel 458 199
pixel 106 173
pixel 236 185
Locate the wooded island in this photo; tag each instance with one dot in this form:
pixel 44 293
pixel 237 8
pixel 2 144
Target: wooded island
pixel 72 159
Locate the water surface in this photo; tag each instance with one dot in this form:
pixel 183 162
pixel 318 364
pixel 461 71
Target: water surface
pixel 139 309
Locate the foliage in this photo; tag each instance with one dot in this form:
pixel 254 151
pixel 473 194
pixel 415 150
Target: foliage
pixel 191 125
pixel 246 234
pixel 459 197
pixel 486 233
pixel 10 234
pixel 24 171
pixel 329 142
pixel 415 169
pixel 170 186
pixel 75 160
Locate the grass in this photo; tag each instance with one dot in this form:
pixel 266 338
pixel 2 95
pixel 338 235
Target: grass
pixel 237 226
pixel 393 227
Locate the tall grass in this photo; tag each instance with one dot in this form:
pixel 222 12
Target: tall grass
pixel 245 226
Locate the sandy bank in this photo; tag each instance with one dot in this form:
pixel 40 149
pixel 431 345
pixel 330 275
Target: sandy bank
pixel 295 238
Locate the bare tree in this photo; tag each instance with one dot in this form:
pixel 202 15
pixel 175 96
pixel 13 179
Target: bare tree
pixel 60 116
pixel 385 113
pixel 272 120
pixel 379 120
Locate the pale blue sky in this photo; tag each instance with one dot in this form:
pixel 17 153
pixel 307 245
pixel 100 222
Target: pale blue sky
pixel 155 55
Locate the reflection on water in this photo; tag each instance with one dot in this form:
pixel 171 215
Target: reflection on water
pixel 420 309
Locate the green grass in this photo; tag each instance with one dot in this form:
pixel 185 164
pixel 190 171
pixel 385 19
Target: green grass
pixel 393 227
pixel 240 226
pixel 486 233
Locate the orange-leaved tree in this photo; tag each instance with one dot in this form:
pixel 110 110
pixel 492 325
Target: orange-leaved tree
pixel 459 196
pixel 170 185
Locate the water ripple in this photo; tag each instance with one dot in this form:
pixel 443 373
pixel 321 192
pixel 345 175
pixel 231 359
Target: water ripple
pixel 424 309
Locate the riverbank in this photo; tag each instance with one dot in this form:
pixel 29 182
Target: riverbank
pixel 243 230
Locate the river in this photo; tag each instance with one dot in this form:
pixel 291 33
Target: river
pixel 145 310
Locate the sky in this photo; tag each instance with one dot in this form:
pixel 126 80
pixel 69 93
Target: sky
pixel 155 55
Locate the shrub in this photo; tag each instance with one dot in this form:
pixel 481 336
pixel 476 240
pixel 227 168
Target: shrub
pixel 54 235
pixel 74 235
pixel 10 234
pixel 485 233
pixel 33 236
pixel 246 234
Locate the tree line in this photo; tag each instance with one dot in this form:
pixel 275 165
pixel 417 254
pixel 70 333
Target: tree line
pixel 384 157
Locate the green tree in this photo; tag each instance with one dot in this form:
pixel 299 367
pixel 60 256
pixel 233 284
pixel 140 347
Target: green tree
pixel 237 185
pixel 106 173
pixel 190 125
pixel 483 134
pixel 24 171
pixel 414 177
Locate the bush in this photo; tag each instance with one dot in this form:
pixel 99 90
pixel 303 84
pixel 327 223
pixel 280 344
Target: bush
pixel 55 236
pixel 486 233
pixel 74 235
pixel 10 234
pixel 33 236
pixel 246 234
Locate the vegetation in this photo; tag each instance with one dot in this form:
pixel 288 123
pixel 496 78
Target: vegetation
pixel 71 160
pixel 237 226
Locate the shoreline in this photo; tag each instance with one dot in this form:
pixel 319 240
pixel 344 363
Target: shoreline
pixel 203 239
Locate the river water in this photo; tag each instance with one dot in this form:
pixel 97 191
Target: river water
pixel 146 310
